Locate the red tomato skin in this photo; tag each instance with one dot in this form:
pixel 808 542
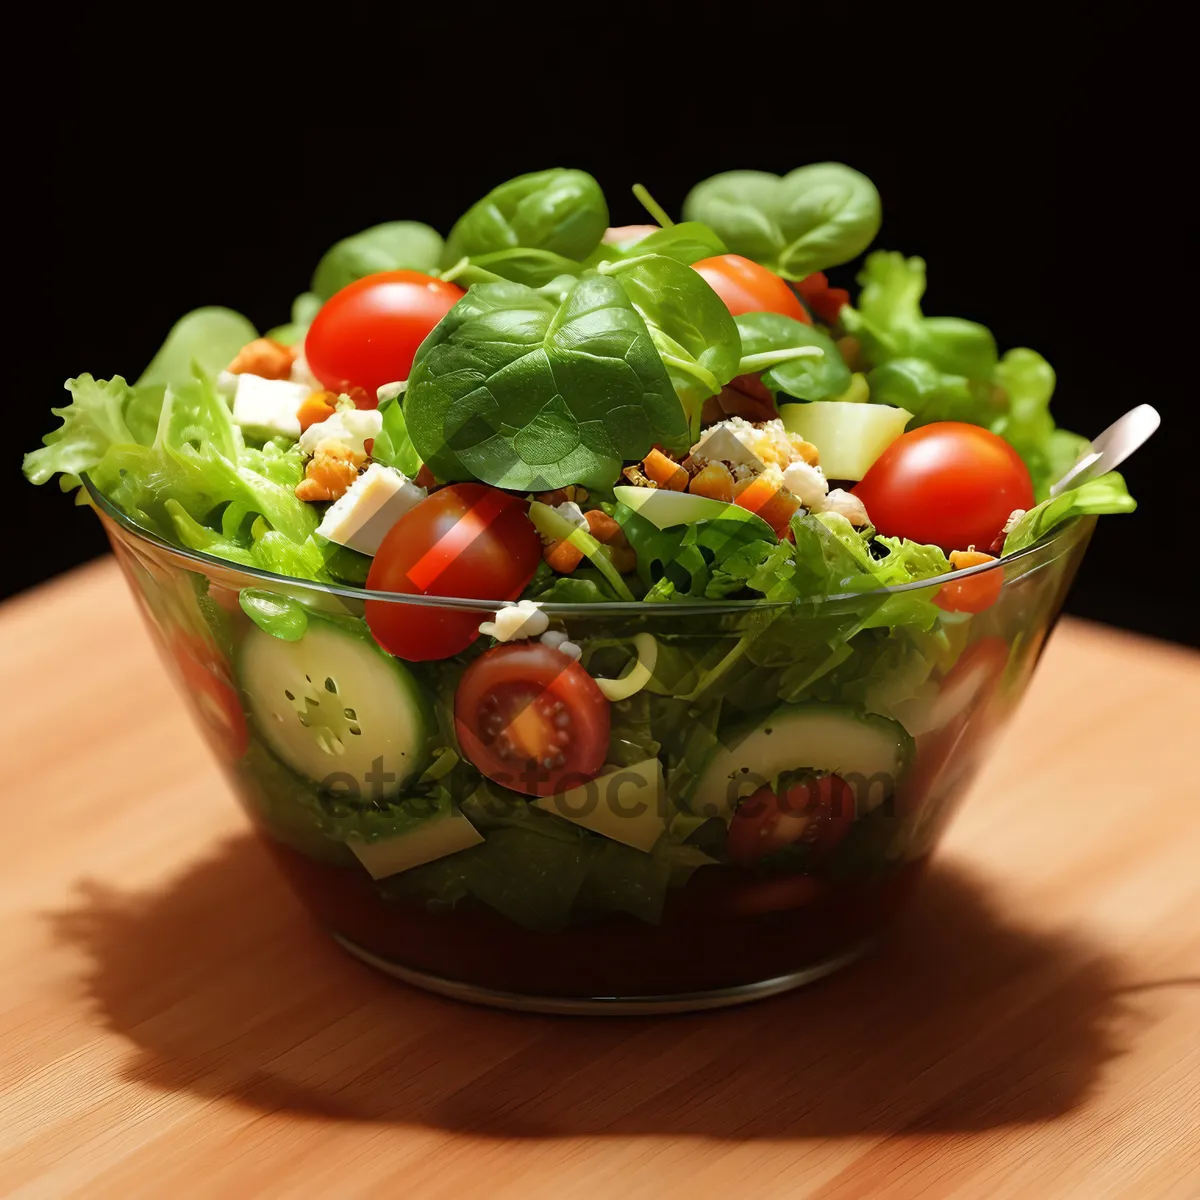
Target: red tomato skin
pixel 206 678
pixel 367 334
pixel 745 287
pixel 553 677
pixel 825 301
pixel 948 484
pixel 975 593
pixel 466 540
pixel 818 811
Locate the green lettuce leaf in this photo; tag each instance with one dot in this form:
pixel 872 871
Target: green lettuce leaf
pixel 889 322
pixel 1107 494
pixel 92 422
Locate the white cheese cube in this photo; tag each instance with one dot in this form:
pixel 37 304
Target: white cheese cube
pixel 267 408
pixel 435 838
pixel 570 511
pixel 722 444
pixel 515 621
pixel 351 428
pixel 364 516
pixel 627 805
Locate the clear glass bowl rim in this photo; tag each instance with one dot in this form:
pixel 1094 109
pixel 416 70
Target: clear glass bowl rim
pixel 1059 538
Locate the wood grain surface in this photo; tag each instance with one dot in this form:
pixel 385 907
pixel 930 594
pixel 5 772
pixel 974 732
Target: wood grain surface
pixel 172 1025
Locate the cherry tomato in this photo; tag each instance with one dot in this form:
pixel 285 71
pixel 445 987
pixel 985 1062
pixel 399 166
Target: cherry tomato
pixel 816 812
pixel 975 593
pixel 622 236
pixel 747 287
pixel 211 690
pixel 950 484
pixel 825 301
pixel 367 334
pixel 466 540
pixel 531 718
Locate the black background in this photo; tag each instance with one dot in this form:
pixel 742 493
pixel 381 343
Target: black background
pixel 1023 227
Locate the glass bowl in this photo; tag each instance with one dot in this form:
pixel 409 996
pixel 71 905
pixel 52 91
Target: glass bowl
pixel 529 906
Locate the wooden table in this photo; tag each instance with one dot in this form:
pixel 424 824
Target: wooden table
pixel 172 1025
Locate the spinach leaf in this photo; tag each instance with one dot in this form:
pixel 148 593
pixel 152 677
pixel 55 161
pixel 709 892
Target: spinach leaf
pixel 814 217
pixel 393 446
pixel 559 210
pixel 687 243
pixel 206 337
pixel 689 324
pixel 520 264
pixel 387 247
pixel 805 378
pixel 522 393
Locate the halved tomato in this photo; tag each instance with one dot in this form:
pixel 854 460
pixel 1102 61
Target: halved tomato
pixel 532 719
pixel 815 812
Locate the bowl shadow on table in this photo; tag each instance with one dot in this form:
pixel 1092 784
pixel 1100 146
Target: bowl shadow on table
pixel 961 1020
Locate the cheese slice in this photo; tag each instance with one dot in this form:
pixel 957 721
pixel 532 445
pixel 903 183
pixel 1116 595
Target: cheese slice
pixel 364 516
pixel 435 838
pixel 267 408
pixel 628 805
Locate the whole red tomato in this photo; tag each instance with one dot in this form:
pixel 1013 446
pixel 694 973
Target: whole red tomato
pixel 948 484
pixel 747 287
pixel 367 334
pixel 465 540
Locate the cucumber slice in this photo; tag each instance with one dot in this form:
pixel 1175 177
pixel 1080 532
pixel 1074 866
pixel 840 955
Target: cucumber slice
pixel 663 508
pixel 868 751
pixel 337 709
pixel 850 437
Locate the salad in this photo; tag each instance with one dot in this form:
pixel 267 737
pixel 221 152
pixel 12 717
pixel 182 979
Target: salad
pixel 617 586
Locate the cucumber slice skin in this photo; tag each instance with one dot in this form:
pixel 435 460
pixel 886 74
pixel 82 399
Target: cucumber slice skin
pixel 871 752
pixel 665 509
pixel 310 725
pixel 849 437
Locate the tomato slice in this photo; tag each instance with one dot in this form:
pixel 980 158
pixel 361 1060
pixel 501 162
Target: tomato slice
pixel 815 812
pixel 532 719
pixel 464 540
pixel 211 690
pixel 975 593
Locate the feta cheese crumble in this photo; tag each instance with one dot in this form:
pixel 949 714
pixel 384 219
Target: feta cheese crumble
pixel 847 505
pixel 267 408
pixel 389 391
pixel 807 484
pixel 350 428
pixel 1013 518
pixel 570 511
pixel 514 621
pixel 364 516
